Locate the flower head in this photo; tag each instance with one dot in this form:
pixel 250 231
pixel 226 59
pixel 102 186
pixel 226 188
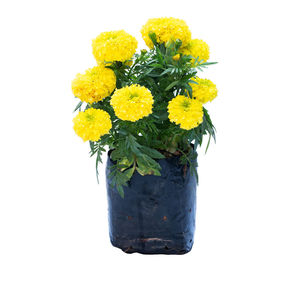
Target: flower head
pixel 197 49
pixel 92 124
pixel 132 103
pixel 114 46
pixel 204 91
pixel 166 29
pixel 95 84
pixel 186 112
pixel 176 57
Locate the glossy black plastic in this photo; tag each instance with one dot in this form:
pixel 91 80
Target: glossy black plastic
pixel 157 214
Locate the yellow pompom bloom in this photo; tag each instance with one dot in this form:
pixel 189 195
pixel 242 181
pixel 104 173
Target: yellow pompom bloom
pixel 176 57
pixel 186 112
pixel 114 46
pixel 196 48
pixel 132 103
pixel 204 91
pixel 95 84
pixel 166 29
pixel 92 124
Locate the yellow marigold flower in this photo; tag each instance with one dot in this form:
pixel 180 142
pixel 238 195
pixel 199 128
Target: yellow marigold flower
pixel 92 124
pixel 166 29
pixel 196 48
pixel 204 91
pixel 186 112
pixel 132 103
pixel 114 46
pixel 95 84
pixel 176 57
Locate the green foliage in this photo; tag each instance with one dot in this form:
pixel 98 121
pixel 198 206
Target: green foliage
pixel 78 106
pixel 136 146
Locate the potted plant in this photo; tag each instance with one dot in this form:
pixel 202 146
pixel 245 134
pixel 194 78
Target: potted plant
pixel 147 108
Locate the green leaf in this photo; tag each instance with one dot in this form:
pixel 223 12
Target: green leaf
pixel 92 146
pixel 172 85
pixel 132 144
pixel 141 171
pixel 116 154
pixel 129 172
pixel 189 89
pixel 208 63
pixel 208 144
pixel 166 71
pixel 147 166
pixel 120 190
pixel 156 65
pixel 78 106
pixel 98 159
pixel 192 82
pixel 153 153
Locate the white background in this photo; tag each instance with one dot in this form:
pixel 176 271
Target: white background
pixel 53 215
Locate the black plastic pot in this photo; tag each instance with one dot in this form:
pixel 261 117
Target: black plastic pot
pixel 157 214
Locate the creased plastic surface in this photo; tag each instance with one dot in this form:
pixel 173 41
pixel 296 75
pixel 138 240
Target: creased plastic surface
pixel 157 215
